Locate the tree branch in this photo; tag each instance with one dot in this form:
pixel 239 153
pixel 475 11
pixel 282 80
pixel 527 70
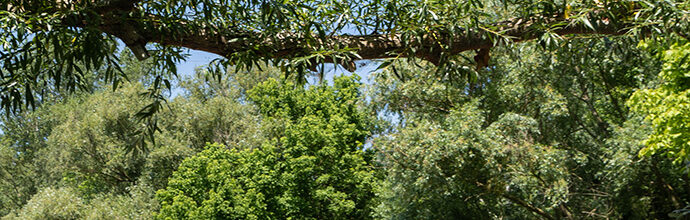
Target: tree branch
pixel 120 19
pixel 528 206
pixel 375 46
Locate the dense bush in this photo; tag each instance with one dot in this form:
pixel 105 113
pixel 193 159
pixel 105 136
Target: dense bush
pixel 313 167
pixel 52 203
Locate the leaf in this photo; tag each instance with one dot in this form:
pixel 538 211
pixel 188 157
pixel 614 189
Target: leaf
pixel 587 23
pixel 385 64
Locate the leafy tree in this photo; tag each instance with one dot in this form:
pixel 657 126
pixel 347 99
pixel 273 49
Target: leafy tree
pixel 95 144
pixel 56 42
pixel 667 106
pixel 138 203
pixel 640 187
pixel 21 177
pixel 216 110
pixel 474 124
pixel 51 203
pixel 457 169
pixel 576 106
pixel 312 167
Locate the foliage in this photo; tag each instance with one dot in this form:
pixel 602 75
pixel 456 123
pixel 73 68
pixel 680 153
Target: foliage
pixel 572 102
pixel 667 107
pixel 66 203
pixel 95 144
pixel 313 166
pixel 457 169
pixel 139 203
pixel 52 203
pixel 53 44
pixel 638 187
pixel 575 122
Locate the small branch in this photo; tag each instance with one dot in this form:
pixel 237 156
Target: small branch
pixel 528 206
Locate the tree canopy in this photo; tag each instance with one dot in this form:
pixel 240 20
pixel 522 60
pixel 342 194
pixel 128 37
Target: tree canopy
pixel 51 43
pixel 510 109
pixel 313 168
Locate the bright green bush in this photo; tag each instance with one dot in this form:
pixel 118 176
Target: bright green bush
pixel 668 107
pixel 313 167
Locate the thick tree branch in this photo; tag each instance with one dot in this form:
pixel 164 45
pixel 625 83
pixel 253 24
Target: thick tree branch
pixel 117 20
pixel 368 46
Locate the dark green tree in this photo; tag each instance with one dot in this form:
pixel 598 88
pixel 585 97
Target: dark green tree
pixel 576 108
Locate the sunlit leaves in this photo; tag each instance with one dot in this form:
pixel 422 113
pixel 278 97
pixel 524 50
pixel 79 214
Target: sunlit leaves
pixel 311 166
pixel 668 107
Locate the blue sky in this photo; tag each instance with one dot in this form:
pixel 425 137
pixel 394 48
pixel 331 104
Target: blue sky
pixel 196 58
pixel 200 58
